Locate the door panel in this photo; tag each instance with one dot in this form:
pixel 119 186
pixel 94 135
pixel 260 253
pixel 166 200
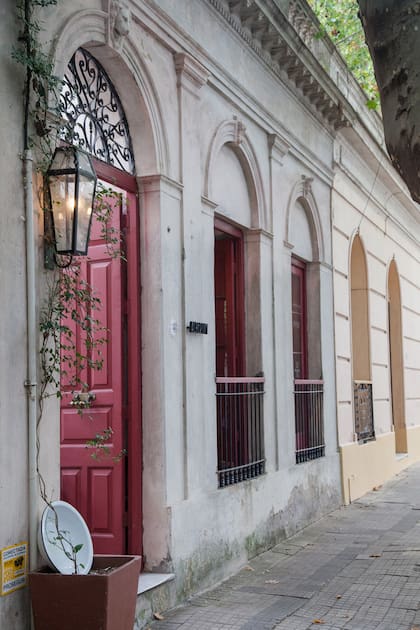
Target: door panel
pixel 228 287
pixel 225 307
pixel 96 487
pixel 300 361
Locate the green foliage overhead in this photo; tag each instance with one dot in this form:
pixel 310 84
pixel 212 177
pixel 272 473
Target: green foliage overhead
pixel 339 19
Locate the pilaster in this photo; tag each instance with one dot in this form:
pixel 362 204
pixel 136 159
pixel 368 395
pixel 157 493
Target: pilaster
pixel 191 80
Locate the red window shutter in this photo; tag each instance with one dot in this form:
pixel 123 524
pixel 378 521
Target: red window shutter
pixel 300 346
pixel 229 300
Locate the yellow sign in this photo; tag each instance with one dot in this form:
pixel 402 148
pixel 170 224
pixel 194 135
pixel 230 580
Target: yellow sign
pixel 13 565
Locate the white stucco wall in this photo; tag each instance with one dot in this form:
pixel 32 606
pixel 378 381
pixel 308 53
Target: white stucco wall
pixel 369 201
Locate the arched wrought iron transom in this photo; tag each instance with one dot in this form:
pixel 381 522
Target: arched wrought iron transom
pixel 95 118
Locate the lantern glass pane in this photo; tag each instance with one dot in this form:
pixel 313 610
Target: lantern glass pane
pixel 62 189
pixel 85 164
pixel 63 159
pixel 84 212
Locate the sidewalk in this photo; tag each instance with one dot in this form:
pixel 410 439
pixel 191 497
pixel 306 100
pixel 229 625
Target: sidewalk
pixel 358 568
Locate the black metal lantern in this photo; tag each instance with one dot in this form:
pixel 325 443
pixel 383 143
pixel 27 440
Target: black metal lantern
pixel 72 184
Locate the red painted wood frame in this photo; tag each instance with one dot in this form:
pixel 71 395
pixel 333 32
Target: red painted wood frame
pixel 299 320
pixel 229 282
pixel 128 183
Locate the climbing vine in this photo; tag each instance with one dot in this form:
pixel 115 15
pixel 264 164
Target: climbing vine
pixel 41 84
pixel 71 312
pixel 72 336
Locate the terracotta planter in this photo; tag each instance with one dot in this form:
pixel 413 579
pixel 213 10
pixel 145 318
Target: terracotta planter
pixel 97 601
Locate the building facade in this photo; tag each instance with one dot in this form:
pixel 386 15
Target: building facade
pixel 375 244
pixel 269 286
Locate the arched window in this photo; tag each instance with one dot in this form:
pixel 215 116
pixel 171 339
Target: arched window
pixel 306 331
pixel 95 119
pixel 362 384
pixel 396 360
pixel 239 394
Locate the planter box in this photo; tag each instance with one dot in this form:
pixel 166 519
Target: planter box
pixel 96 601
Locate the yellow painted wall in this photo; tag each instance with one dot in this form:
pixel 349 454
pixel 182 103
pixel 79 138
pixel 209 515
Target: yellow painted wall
pixel 367 466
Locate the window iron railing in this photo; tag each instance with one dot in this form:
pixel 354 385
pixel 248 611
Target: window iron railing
pixel 240 429
pixel 309 419
pixel 363 411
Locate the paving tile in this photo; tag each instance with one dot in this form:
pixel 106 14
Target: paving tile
pixel 356 569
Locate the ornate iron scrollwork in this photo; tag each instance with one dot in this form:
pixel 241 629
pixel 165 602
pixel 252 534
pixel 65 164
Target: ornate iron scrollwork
pixel 95 117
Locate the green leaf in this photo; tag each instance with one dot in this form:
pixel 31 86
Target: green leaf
pixel 340 22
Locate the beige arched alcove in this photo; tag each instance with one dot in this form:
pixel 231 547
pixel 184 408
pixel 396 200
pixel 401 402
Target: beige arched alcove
pixel 360 343
pixel 359 312
pixel 396 365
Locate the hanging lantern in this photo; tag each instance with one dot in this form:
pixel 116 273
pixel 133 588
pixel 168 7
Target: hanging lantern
pixel 72 183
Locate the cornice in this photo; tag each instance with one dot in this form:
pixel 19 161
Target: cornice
pixel 263 26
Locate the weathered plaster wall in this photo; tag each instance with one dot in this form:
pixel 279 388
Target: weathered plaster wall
pixel 212 531
pixel 231 525
pixel 13 419
pixel 182 73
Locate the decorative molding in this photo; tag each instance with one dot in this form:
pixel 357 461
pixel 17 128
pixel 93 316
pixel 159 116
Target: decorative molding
pixel 324 265
pixel 233 133
pixel 208 206
pixel 306 186
pixel 238 132
pixel 160 184
pixel 83 26
pixel 191 75
pixel 277 147
pixel 258 235
pixel 119 23
pixel 266 35
pixel 301 22
pixel 302 191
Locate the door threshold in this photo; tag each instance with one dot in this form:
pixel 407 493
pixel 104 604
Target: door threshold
pixel 149 581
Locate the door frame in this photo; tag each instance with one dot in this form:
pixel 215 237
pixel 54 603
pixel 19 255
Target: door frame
pixel 128 183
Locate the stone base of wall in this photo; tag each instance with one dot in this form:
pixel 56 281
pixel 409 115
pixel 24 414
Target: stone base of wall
pixel 367 466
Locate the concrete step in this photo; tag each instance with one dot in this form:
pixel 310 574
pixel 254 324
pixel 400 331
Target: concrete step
pixel 155 594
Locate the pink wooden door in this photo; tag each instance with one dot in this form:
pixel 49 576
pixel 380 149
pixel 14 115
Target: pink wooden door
pixel 96 487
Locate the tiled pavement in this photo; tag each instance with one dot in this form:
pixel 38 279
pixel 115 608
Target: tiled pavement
pixel 356 569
